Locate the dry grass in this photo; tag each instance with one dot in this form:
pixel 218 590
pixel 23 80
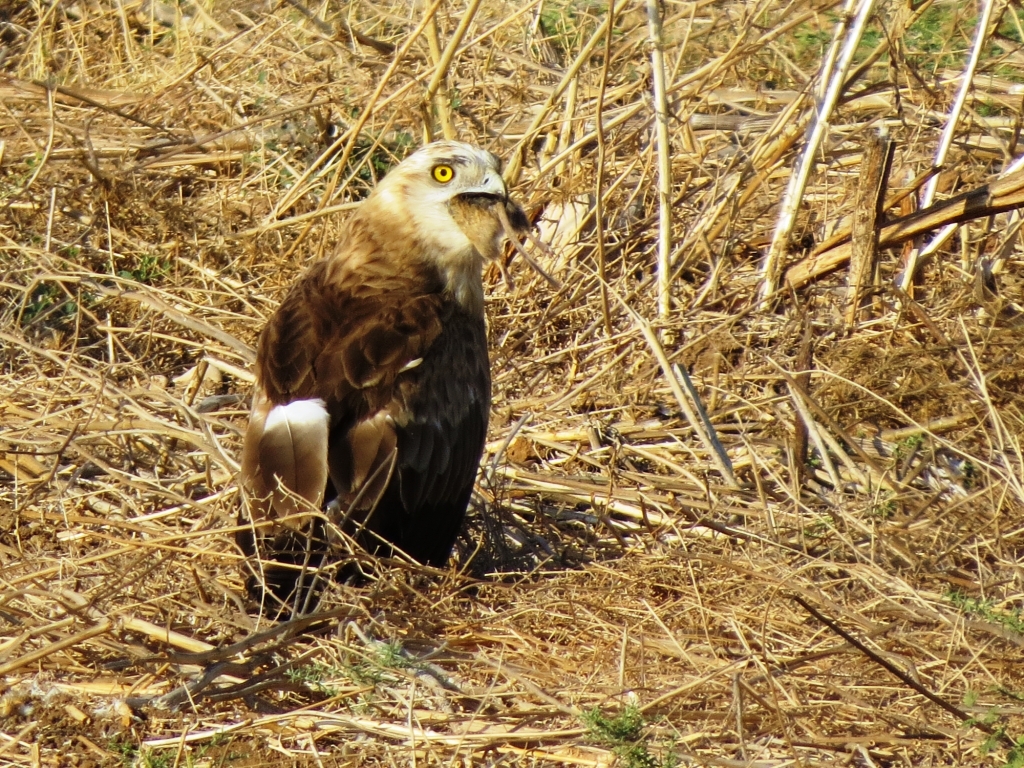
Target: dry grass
pixel 855 598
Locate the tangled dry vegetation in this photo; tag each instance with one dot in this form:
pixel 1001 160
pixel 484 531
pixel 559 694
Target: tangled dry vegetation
pixel 842 584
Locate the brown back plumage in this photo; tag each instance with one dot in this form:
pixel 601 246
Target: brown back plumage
pixel 373 384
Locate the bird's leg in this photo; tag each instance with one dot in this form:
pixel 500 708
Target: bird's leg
pixel 510 284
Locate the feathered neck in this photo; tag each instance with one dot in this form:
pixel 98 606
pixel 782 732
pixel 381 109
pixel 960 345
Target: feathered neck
pixel 384 245
pixel 413 238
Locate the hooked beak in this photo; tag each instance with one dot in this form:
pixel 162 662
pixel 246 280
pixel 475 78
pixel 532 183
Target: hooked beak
pixel 491 191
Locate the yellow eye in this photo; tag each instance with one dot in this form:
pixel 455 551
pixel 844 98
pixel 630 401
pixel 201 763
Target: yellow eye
pixel 443 173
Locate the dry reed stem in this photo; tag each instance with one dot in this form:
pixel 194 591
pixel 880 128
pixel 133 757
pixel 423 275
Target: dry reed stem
pixel 664 247
pixel 1005 193
pixel 906 278
pixel 868 211
pixel 850 29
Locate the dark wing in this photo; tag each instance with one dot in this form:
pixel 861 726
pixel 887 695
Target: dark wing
pixel 441 429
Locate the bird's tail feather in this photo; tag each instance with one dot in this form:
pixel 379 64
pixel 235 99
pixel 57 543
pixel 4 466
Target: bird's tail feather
pixel 293 455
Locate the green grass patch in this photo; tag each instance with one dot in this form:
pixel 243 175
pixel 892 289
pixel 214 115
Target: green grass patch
pixel 147 269
pixel 625 733
pixel 986 610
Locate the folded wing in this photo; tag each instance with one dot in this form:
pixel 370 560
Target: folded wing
pixel 373 396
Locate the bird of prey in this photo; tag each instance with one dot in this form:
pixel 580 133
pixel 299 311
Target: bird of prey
pixel 373 384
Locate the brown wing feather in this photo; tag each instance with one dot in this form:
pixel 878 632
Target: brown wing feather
pixel 291 338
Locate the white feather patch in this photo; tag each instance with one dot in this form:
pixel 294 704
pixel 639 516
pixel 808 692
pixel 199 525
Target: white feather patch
pixel 293 455
pixel 298 415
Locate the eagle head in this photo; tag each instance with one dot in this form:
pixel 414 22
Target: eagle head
pixel 450 196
